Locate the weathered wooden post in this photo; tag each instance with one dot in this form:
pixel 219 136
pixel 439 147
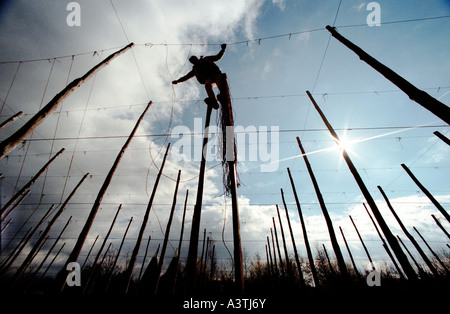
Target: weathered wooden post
pixel 90 251
pixel 274 253
pixel 442 137
pixel 419 96
pixel 288 264
pixel 305 234
pixel 350 254
pixel 129 271
pixel 143 260
pixel 427 193
pixel 278 247
pixel 381 222
pixel 297 260
pixel 386 247
pixel 409 235
pixel 326 215
pixel 53 260
pixel 362 242
pixel 166 235
pixel 10 120
pixel 328 259
pixel 90 220
pixel 432 251
pixel 28 185
pixel 420 269
pixel 99 252
pixel 191 263
pixel 11 142
pixel 46 231
pixel 440 226
pixel 270 257
pixel 117 256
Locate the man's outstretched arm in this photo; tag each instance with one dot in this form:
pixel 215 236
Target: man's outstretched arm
pixel 184 78
pixel 219 55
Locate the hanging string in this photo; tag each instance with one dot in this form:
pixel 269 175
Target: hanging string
pixel 31 136
pixel 79 132
pixel 10 86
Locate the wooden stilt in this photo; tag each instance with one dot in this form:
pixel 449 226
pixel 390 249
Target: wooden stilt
pixel 191 264
pixel 11 142
pixel 305 234
pixel 401 257
pixel 419 96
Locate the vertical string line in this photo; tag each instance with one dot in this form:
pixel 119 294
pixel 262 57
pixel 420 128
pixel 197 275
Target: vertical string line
pixel 10 86
pixel 31 136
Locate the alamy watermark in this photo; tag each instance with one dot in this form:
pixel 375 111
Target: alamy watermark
pixel 74 276
pixel 74 17
pixel 262 145
pixel 374 17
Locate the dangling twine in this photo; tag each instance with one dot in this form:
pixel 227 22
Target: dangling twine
pixel 226 124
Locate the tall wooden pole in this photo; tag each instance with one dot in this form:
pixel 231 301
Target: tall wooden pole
pixel 191 263
pixel 90 220
pixel 326 215
pixel 11 142
pixel 10 120
pixel 362 242
pixel 432 251
pixel 30 255
pixel 328 259
pixel 278 246
pixel 415 94
pixel 421 271
pixel 350 254
pixel 297 260
pixel 132 262
pixel 427 193
pixel 117 256
pixel 305 234
pixel 409 235
pixel 270 256
pixel 401 257
pixel 99 252
pixel 166 235
pixel 28 185
pixel 288 264
pixel 442 137
pixel 90 251
pixel 274 252
pixel 441 226
pixel 386 247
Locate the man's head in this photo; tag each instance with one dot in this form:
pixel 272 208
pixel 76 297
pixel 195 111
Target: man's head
pixel 193 60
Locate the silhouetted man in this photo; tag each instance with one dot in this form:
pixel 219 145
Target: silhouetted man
pixel 208 74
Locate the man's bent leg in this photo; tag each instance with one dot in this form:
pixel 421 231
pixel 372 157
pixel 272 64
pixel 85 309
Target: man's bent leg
pixel 211 100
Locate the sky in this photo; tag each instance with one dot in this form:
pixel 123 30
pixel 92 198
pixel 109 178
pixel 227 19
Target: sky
pixel 276 51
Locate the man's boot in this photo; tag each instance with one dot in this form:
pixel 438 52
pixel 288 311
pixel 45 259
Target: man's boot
pixel 211 103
